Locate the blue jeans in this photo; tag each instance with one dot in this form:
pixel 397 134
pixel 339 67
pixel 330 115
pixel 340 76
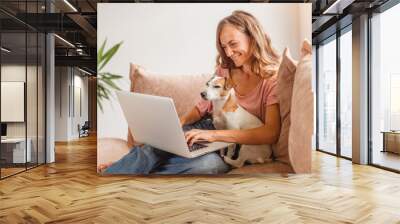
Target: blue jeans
pixel 147 159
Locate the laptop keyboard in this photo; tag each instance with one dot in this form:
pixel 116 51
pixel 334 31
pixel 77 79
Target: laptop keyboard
pixel 196 146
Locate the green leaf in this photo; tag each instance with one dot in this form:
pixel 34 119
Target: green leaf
pixel 103 91
pixel 100 53
pixel 112 84
pixel 108 55
pixel 108 75
pixel 100 105
pixel 106 82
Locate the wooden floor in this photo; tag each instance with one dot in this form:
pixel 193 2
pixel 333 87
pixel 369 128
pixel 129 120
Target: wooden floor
pixel 10 171
pixel 70 191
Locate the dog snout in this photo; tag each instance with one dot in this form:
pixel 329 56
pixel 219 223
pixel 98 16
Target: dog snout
pixel 203 95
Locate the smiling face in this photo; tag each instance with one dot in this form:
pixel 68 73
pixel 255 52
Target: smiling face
pixel 217 88
pixel 235 44
pixel 242 43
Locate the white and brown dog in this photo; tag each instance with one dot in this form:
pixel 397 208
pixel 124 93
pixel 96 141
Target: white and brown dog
pixel 227 114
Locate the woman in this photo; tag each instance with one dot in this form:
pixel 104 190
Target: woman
pixel 242 47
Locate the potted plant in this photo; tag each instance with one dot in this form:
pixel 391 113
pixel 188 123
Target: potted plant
pixel 106 81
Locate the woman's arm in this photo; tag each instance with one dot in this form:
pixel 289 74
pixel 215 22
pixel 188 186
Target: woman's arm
pixel 191 117
pixel 267 134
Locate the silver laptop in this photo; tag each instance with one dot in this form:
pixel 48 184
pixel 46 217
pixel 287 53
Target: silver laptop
pixel 153 120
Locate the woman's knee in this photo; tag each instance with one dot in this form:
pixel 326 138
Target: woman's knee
pixel 212 163
pixel 140 160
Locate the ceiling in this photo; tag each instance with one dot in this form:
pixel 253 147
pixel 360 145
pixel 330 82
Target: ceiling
pixel 76 22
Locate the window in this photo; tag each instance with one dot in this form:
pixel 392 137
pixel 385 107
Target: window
pixel 346 94
pixel 385 89
pixel 327 97
pixel 314 89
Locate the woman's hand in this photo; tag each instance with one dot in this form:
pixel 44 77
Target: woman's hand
pixel 196 135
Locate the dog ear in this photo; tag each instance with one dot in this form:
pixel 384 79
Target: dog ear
pixel 208 82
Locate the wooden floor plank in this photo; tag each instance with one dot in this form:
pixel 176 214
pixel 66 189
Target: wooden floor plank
pixel 70 191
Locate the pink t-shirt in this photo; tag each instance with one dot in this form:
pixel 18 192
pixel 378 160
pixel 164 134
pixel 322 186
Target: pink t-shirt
pixel 255 102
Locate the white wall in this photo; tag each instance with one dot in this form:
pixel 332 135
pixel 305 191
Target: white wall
pixel 67 80
pixel 304 24
pixel 62 83
pixel 180 38
pixel 81 84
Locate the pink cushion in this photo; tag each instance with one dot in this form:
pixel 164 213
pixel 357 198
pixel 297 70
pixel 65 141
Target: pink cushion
pixel 286 78
pixel 185 97
pixel 301 115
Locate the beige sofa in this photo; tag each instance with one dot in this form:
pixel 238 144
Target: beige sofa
pixel 293 150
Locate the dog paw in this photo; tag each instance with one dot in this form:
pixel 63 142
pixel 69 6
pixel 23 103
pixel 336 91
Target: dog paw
pixel 222 152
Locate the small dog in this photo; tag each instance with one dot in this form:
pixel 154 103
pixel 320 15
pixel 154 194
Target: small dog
pixel 227 114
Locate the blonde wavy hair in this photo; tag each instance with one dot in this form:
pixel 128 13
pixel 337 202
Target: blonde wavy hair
pixel 264 60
